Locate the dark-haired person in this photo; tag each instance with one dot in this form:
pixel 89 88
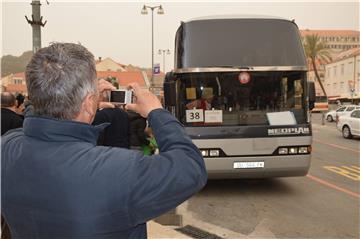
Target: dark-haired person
pixel 9 118
pixel 56 183
pixel 116 134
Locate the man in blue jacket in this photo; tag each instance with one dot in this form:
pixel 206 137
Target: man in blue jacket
pixel 56 183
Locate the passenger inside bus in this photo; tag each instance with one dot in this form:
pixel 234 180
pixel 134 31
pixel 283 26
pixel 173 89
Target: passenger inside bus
pixel 203 103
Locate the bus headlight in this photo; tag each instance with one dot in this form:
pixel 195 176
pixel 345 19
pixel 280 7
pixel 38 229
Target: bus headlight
pixel 293 150
pixel 303 150
pixel 204 153
pixel 283 150
pixel 214 153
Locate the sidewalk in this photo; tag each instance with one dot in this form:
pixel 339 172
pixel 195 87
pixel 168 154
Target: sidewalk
pixel 156 230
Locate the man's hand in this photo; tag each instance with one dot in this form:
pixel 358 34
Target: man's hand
pixel 103 87
pixel 145 101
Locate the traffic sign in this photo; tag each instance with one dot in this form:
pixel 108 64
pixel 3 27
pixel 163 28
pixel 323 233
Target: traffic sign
pixel 156 69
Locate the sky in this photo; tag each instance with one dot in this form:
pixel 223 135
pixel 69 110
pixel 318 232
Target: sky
pixel 117 29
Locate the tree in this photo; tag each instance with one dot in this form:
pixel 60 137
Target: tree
pixel 315 50
pixel 113 81
pixel 14 64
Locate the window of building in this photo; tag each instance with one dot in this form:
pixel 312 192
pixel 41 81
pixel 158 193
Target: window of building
pixel 334 70
pixel 350 68
pixel 342 69
pixel 342 86
pixel 17 81
pixel 334 86
pixel 328 73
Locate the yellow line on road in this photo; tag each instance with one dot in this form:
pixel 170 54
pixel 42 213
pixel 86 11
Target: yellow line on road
pixel 355 169
pixel 333 186
pixel 337 146
pixel 345 171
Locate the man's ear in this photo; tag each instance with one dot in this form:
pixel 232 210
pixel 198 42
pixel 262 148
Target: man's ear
pixel 90 104
pixel 88 109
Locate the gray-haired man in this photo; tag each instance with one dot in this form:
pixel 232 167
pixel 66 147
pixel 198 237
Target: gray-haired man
pixel 56 183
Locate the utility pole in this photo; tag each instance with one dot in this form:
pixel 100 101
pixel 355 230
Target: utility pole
pixel 144 12
pixel 163 51
pixel 36 24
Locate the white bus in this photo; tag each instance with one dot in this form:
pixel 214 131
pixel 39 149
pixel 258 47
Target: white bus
pixel 239 87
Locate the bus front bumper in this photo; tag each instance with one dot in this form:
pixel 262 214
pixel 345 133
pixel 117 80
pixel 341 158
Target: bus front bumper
pixel 258 167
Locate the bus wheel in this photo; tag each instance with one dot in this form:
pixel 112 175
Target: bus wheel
pixel 346 132
pixel 329 118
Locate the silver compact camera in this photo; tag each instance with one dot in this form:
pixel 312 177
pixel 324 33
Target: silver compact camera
pixel 121 97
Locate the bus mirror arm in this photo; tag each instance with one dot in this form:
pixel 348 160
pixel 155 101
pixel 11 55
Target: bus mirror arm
pixel 169 90
pixel 312 95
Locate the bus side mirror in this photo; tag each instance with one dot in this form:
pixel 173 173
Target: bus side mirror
pixel 169 91
pixel 312 95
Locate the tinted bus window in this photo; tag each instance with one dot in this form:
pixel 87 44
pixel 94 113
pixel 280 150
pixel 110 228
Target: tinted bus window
pixel 234 102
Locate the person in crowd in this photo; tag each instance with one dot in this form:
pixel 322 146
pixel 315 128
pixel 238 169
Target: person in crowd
pixel 9 118
pixel 116 134
pixel 55 181
pixel 151 147
pixel 137 133
pixel 20 100
pixel 28 108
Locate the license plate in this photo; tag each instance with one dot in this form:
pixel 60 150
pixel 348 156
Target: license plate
pixel 248 164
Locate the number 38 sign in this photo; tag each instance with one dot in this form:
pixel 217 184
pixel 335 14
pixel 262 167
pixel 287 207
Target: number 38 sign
pixel 194 115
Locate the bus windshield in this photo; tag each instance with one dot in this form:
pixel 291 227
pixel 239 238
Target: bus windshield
pixel 239 98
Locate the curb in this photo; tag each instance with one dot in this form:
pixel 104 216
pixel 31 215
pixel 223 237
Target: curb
pixel 156 230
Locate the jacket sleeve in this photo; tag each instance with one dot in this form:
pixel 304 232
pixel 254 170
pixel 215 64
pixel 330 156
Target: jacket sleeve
pixel 163 181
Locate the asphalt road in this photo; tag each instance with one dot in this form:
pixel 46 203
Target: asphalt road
pixel 323 204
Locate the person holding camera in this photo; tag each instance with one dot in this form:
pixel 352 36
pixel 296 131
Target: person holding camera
pixel 56 183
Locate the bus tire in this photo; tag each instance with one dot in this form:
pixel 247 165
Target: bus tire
pixel 346 132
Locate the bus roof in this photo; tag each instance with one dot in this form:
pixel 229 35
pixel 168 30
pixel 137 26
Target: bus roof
pixel 238 16
pixel 238 42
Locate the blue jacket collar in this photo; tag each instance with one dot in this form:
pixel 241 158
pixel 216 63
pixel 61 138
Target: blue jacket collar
pixel 50 129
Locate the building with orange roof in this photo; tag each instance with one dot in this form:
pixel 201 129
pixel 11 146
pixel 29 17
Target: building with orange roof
pixel 106 68
pixel 109 64
pixel 336 40
pixel 126 77
pixel 14 83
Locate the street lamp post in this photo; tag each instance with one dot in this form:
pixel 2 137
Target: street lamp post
pixel 163 51
pixel 144 12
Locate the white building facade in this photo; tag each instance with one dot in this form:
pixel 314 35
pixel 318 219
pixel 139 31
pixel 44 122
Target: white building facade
pixel 342 76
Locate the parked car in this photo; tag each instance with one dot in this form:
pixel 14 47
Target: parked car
pixel 349 124
pixel 331 115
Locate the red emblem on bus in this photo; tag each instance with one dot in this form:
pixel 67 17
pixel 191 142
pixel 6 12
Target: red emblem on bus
pixel 244 77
